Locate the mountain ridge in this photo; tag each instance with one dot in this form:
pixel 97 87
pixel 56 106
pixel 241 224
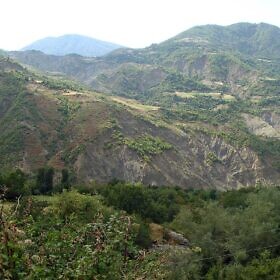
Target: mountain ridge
pixel 194 58
pixel 247 38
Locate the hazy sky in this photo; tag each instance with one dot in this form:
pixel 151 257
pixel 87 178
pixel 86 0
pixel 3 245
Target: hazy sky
pixel 133 23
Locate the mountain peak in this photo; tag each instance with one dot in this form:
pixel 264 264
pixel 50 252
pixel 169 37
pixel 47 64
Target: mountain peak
pixel 72 44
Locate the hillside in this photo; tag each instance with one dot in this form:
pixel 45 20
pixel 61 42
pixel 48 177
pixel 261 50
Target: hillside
pixel 72 44
pixel 49 121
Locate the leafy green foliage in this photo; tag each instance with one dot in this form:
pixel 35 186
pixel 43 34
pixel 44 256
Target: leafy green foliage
pixel 67 107
pixel 143 236
pixel 13 184
pixel 178 82
pixel 59 84
pixel 82 237
pixel 229 241
pixel 159 205
pixel 98 246
pixel 44 180
pixel 65 179
pixel 12 101
pixel 69 155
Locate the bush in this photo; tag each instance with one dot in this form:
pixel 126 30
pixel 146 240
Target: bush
pixel 158 204
pixel 143 236
pixel 14 184
pixel 85 207
pixel 40 245
pixel 148 146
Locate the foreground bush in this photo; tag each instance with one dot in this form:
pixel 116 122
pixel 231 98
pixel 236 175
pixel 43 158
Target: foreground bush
pixel 61 242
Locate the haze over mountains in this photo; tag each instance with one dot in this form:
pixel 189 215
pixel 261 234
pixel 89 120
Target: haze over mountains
pixel 72 44
pixel 198 110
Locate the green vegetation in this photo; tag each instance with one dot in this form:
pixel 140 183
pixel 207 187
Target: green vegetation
pixel 148 146
pixel 212 158
pixel 229 240
pixel 221 65
pixel 67 107
pixel 90 236
pixel 77 235
pixel 60 84
pixel 178 82
pixel 13 184
pixel 13 99
pixel 44 180
pixel 70 155
pixel 155 204
pixel 239 135
pixel 117 137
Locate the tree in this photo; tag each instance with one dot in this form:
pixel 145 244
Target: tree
pixel 44 180
pixel 65 182
pixel 13 184
pixel 49 179
pixel 143 238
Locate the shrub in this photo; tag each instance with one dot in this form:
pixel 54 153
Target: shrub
pixel 85 207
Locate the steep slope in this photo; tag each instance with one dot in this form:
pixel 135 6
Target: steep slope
pixel 72 44
pixel 105 137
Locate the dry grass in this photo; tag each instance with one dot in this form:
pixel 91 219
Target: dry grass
pixel 134 104
pixel 8 206
pixel 156 232
pixel 216 95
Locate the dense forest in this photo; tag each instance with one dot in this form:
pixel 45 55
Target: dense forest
pixel 54 229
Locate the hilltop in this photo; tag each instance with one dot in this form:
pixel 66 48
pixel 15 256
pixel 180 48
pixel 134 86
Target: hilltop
pixel 246 38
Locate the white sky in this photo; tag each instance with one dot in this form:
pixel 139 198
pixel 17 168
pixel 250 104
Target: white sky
pixel 133 23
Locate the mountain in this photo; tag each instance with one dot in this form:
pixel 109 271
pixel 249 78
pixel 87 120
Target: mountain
pixel 231 58
pixel 2 52
pixel 72 44
pixel 198 110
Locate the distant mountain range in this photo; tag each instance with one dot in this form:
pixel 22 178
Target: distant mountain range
pixel 72 44
pixel 223 57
